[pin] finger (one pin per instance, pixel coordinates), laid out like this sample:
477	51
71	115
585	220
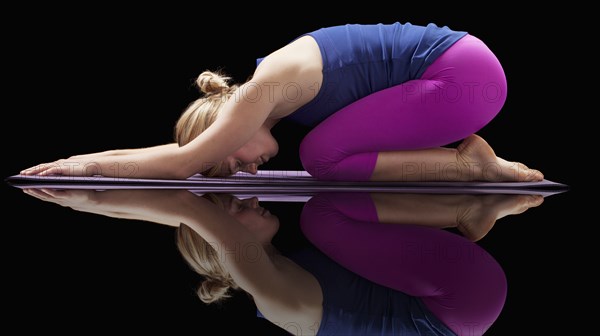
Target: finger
47	192
52	171
55	193
32	170
39	169
37	194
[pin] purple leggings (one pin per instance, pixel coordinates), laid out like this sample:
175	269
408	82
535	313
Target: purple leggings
458	281
458	94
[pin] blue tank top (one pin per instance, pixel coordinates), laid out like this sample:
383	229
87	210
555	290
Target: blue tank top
362	59
353	305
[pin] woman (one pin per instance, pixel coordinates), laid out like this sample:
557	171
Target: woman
396	279
381	99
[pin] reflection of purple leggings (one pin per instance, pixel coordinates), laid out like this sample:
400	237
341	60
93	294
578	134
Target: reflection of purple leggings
458	281
458	94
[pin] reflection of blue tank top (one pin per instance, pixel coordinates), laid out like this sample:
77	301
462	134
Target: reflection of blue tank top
361	59
353	305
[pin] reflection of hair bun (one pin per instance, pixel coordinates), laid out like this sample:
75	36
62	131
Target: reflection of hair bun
211	83
213	290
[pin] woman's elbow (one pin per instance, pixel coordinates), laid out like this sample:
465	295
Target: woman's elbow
181	175
177	167
182	171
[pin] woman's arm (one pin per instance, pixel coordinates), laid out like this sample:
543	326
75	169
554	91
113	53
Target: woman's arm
238	121
152	162
126	151
240	118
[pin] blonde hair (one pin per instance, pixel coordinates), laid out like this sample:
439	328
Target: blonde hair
200	114
204	260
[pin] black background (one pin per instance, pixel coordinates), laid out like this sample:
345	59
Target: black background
83	80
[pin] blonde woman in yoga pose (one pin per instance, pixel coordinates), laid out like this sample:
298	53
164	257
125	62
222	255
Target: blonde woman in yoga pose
382	100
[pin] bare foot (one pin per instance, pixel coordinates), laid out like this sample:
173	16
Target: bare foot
480	214
476	155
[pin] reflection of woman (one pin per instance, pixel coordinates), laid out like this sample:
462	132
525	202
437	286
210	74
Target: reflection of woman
437	274
228	241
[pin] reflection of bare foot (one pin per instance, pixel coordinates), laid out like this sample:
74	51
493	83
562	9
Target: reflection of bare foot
483	164
479	214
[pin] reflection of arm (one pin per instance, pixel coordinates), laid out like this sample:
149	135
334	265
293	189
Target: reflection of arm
148	205
173	207
157	206
242	254
284	292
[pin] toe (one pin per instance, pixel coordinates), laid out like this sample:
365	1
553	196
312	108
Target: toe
526	174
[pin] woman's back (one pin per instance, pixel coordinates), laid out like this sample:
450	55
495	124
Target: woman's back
358	60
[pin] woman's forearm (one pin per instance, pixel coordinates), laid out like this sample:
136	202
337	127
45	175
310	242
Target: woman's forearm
156	162
125	151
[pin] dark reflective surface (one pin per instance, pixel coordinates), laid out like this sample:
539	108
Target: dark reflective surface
354	262
82	83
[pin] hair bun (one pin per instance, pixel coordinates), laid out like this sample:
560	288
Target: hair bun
211	83
213	290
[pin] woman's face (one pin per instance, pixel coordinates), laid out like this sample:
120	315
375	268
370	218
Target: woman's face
258	150
254	217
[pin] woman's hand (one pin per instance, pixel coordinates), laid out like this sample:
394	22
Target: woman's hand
159	206
161	161
84	166
77	199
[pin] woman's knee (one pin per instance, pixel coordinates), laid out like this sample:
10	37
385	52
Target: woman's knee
325	164
314	159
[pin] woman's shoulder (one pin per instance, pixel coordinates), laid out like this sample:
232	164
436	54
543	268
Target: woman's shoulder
292	74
